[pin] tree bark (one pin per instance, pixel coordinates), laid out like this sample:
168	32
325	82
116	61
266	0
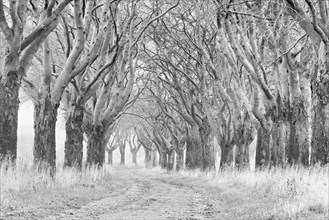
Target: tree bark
320	140
154	158
134	158
263	155
96	146
283	130
147	158
225	148
171	160
9	103
74	138
110	157
179	158
193	153
122	149
163	160
45	117
300	137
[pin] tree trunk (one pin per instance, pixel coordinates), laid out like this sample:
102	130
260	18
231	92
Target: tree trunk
9	103
147	158
96	146
208	149
179	158
171	160
225	148
299	135
154	158
163	160
240	157
134	159
263	155
110	157
208	155
122	149
282	138
320	86
320	140
45	117
74	138
300	118
193	153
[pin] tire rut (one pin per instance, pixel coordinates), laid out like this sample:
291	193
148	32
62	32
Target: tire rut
147	197
201	206
107	205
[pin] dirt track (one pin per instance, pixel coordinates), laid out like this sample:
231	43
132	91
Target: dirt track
146	195
153	195
138	193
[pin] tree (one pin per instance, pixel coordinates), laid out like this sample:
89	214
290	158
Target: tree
314	21
47	94
115	90
96	64
20	50
112	145
134	146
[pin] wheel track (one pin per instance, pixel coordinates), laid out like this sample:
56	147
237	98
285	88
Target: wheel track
95	209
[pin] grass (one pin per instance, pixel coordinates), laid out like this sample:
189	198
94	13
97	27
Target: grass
298	190
24	178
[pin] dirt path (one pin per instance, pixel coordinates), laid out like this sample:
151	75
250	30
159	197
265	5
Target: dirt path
147	195
137	193
152	195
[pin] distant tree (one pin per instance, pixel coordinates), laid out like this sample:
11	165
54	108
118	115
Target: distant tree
112	145
134	146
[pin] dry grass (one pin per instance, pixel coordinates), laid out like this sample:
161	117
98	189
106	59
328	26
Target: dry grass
15	180
298	190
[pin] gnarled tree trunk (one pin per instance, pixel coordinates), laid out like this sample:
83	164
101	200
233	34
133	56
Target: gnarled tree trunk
193	153
9	103
96	146
320	140
45	117
225	149
300	120
208	149
263	149
163	160
74	138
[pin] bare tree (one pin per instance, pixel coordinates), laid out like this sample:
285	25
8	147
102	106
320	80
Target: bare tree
21	45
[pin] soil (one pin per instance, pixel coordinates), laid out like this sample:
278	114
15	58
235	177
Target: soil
138	193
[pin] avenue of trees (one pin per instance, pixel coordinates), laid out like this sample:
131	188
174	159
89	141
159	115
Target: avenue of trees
192	82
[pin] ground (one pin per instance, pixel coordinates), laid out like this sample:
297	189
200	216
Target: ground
138	193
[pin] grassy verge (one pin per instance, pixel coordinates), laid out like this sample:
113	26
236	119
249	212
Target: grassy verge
297	190
23	180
